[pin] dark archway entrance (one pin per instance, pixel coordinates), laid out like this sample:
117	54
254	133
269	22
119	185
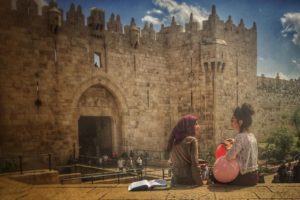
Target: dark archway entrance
95	135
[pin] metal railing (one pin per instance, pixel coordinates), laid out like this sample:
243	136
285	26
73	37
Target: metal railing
103	176
18	164
136	173
150	154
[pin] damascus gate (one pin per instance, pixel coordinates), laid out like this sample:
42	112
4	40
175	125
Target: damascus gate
107	86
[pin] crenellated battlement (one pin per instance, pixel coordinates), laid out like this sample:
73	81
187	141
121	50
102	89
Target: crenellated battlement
168	36
277	85
114	24
192	26
57	71
218	29
75	18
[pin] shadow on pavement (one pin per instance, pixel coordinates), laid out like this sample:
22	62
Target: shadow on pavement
225	188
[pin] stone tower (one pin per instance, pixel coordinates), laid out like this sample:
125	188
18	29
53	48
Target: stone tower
114	24
96	22
54	18
73	89
75	17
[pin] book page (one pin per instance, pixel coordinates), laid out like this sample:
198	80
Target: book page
139	185
158	183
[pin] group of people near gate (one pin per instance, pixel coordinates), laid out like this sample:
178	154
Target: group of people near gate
287	173
129	163
236	158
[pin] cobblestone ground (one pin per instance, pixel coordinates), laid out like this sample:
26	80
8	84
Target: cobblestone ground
11	190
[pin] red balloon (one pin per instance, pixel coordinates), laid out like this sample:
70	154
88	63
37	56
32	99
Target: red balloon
225	170
220	151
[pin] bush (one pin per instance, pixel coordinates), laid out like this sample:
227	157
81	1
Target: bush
282	145
124	155
262	151
8	166
209	155
296	122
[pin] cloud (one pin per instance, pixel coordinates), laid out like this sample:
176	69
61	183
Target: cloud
296	63
283	76
41	4
150	19
181	11
291	24
261	58
154	11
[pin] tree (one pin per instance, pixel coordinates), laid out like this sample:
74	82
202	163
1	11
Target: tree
281	145
296	121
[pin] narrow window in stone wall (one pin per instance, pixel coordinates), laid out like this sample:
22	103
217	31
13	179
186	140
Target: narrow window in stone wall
97	60
206	67
192	105
223	66
148	94
237	68
134	63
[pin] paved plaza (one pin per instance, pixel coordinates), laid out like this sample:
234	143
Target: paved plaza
11	190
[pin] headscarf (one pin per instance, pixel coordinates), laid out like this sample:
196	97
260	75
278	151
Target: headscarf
184	127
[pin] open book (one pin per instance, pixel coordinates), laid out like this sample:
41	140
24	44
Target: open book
146	185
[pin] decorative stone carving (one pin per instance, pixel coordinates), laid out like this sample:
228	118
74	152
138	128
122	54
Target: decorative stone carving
54	18
134	34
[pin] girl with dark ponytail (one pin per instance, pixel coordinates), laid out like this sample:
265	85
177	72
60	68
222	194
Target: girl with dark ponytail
244	115
244	148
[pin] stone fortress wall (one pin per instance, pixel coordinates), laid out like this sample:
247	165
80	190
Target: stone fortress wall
144	80
277	101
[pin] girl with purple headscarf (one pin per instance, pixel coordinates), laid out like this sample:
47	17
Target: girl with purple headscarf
183	148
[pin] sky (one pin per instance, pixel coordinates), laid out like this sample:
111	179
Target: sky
278	23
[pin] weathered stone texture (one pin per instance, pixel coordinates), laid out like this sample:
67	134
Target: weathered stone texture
276	102
144	85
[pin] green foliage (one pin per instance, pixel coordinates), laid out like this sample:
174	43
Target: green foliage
284	117
296	122
209	155
262	151
281	145
124	155
8	166
263	169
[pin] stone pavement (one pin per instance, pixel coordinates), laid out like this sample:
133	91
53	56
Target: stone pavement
11	190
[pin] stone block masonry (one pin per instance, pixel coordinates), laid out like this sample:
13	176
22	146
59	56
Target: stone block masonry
129	85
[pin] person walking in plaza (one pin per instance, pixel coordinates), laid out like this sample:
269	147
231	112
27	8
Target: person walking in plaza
283	172
296	172
139	162
244	148
121	163
129	163
183	149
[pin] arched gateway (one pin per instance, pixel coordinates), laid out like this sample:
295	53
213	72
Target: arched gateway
100	112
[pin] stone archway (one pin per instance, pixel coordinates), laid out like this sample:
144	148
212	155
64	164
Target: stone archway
98	123
96	135
100	100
